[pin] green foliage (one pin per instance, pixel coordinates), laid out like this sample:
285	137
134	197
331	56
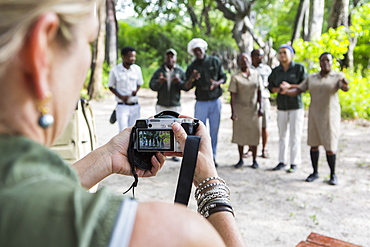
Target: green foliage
360	29
334	41
152	40
275	20
355	103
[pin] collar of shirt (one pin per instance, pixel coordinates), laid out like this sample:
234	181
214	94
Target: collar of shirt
291	65
124	68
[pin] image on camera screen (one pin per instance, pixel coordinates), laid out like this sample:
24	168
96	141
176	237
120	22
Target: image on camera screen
161	140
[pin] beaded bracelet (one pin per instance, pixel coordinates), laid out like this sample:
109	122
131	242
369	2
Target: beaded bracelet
209	198
224	189
199	190
209	179
217	186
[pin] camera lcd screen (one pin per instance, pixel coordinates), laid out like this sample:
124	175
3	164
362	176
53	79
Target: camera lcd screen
155	140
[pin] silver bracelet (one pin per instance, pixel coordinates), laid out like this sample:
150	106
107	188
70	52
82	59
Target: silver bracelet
209	198
199	190
202	209
209	179
219	193
217	186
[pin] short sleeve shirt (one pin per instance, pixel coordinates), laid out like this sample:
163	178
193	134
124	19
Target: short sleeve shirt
264	71
43	204
246	88
125	81
294	75
209	68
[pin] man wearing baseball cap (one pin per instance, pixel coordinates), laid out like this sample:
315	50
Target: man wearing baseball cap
168	80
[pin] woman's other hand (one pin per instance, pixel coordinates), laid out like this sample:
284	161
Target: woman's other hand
205	167
118	146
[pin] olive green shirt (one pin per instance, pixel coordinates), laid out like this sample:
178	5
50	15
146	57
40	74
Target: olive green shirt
209	67
43	204
294	75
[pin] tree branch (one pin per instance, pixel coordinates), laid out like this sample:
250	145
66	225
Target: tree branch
228	14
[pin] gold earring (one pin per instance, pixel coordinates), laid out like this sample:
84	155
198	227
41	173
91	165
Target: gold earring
46	119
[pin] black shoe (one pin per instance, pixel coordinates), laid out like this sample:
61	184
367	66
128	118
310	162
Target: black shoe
312	177
333	180
239	164
279	167
216	165
176	159
292	169
264	154
255	165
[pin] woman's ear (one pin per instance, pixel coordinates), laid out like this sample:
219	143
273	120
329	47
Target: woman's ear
37	53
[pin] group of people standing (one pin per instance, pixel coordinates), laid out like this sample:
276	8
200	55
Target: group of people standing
250	90
205	73
45	54
289	79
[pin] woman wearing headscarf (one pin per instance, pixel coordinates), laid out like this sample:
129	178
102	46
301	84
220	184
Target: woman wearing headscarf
45	54
324	113
290	112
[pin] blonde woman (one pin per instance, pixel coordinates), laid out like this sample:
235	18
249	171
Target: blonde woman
44	57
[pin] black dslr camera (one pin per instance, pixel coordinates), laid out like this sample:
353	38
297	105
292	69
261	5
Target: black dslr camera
155	135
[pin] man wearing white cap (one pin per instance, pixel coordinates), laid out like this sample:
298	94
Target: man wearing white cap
206	74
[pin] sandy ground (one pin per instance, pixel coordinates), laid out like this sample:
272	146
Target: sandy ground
273	208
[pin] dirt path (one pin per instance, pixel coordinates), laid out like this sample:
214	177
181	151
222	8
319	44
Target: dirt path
272	208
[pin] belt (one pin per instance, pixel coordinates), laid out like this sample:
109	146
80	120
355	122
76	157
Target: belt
123	103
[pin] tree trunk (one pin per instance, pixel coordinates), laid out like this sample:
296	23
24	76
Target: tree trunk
316	19
205	14
97	64
339	14
305	24
303	5
243	38
111	39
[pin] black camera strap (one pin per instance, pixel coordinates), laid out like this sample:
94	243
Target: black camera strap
187	169
130	156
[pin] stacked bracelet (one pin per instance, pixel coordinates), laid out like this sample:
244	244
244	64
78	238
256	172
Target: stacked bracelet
213	197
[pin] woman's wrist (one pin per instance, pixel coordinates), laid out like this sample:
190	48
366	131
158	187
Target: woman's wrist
213	196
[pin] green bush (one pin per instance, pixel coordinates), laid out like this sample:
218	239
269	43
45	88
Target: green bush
355	103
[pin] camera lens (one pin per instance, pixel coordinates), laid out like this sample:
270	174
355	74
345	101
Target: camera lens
150	125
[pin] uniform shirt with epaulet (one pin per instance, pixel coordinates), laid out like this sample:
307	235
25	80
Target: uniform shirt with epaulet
209	68
294	75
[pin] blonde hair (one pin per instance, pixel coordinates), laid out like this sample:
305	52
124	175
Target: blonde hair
17	17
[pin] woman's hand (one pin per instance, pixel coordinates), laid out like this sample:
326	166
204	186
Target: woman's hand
234	117
344	84
205	166
117	147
